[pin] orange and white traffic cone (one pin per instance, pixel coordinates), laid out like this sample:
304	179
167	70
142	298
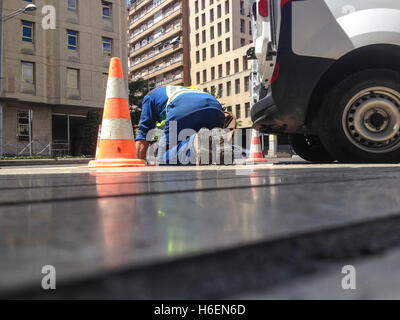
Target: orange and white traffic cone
256	155
117	145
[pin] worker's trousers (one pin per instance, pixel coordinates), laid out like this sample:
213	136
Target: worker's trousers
176	147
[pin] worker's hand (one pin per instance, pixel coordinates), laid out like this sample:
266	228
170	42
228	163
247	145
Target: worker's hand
141	149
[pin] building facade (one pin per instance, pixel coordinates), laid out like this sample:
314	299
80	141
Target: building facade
220	35
158	42
53	77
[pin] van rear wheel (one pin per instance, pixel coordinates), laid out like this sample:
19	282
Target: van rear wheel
310	148
360	118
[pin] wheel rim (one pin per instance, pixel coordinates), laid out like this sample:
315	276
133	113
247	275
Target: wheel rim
371	120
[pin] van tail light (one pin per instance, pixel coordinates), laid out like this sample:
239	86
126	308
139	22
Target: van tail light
263	8
275	75
284	2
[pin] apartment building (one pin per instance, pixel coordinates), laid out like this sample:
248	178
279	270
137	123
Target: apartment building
220	36
53	77
158	42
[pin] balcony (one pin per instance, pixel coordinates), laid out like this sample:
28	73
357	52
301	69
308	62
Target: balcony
138	21
161	54
145	33
177	79
165	69
139	4
161	70
173	32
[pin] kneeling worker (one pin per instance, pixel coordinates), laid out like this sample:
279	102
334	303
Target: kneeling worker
189	109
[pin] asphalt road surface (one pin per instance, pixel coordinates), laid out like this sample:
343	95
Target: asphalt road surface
281	230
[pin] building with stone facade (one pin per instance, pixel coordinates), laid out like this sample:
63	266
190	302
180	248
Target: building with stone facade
53	77
220	35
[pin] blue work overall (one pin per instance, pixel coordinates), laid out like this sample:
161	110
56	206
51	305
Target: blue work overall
189	108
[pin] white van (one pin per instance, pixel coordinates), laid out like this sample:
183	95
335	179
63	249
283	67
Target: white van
327	72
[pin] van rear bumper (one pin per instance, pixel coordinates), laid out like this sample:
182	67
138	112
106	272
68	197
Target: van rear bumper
262	113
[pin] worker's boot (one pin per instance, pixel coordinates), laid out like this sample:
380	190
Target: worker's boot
203	147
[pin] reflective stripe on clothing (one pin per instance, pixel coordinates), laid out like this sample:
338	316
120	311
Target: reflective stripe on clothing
174	92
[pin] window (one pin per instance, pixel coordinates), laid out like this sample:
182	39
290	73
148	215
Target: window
245	63
242	26
212	50
197	56
226	6
220	90
212	32
204	75
72	39
204	36
246	84
107	47
204	54
228	88
227	25
228	44
228	68
229	109
220	70
72	5
212	90
203	19
237	86
72	78
219	47
238	116
236	65
212	15
198	77
247	109
106	9
212	73
242	8
197	39
219	11
23	122
27	31
28	72
219	29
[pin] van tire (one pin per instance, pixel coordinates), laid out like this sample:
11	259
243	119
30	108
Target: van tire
346	118
310	148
